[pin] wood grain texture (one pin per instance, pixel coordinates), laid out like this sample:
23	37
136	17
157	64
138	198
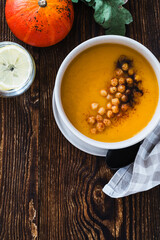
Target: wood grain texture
49	189
19	140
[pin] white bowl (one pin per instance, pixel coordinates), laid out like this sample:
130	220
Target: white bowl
57	90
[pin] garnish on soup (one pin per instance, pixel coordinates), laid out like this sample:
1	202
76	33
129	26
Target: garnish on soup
121	96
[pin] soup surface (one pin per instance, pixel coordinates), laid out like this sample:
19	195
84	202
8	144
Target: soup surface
91	71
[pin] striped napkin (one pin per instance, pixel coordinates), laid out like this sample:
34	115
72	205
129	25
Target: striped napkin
141	175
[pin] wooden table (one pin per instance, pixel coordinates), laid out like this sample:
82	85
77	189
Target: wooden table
49	189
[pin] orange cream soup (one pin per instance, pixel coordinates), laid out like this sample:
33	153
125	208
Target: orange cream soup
92	71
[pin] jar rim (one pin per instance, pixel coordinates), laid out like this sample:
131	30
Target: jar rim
24	87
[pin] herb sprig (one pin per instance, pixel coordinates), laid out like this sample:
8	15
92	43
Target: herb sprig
110	14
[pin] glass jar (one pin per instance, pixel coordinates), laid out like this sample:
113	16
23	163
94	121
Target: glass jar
27	83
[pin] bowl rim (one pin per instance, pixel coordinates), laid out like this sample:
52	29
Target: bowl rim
114	39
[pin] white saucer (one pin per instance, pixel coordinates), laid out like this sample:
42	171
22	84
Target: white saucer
83	146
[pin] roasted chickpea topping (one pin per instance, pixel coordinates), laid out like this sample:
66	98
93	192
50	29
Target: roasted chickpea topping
124	107
129	81
137	77
128	92
103	93
122	80
121	88
118	95
113	89
115	109
109	97
124	98
125	90
131	71
101	111
100	127
125	66
91	120
94	106
107	122
109	105
99	118
93	130
114	82
115	101
110	114
118	72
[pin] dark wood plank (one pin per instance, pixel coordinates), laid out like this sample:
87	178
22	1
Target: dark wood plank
19	132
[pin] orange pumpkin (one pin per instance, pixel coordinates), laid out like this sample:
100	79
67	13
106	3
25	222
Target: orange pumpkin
40	23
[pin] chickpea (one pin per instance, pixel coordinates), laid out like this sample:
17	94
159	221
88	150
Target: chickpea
129	81
118	72
114	82
137	78
118	95
131	71
115	101
100	127
115	109
121	88
125	66
137	94
103	93
140	86
113	89
101	111
99	118
109	97
128	92
124	107
110	114
94	106
124	98
107	122
93	130
91	120
122	80
109	105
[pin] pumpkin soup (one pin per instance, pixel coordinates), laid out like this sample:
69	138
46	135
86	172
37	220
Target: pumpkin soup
109	92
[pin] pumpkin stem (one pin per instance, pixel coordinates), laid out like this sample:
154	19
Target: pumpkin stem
42	3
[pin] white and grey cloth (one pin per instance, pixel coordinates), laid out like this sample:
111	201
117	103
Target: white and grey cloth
141	175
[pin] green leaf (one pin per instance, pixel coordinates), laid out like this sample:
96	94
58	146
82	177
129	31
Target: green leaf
110	14
75	1
88	1
117	2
